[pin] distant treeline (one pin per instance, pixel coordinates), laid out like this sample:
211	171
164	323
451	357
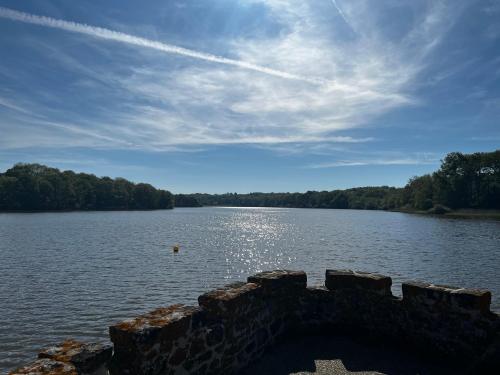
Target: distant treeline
463	181
35	187
371	198
183	200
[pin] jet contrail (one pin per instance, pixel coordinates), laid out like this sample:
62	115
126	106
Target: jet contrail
341	13
117	36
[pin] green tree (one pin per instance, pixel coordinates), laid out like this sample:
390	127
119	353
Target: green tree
37	187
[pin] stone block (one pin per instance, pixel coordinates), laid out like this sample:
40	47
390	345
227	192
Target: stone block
215	335
170	322
354	280
86	358
280	280
231	301
46	366
143	344
446	297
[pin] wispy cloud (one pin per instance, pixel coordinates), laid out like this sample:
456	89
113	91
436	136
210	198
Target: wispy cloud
334	2
9	105
116	36
320	86
354	163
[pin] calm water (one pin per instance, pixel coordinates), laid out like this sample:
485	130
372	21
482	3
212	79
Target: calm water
73	274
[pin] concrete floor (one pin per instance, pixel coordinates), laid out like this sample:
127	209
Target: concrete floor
340	355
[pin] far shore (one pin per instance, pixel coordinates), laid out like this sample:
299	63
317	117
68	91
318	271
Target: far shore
83	210
465	213
468	213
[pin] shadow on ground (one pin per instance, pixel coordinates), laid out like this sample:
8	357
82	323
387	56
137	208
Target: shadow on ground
343	355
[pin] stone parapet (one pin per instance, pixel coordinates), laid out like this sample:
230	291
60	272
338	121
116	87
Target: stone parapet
280	280
234	325
232	301
153	341
352	280
446	297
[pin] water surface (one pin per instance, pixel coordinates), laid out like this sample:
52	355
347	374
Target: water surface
73	274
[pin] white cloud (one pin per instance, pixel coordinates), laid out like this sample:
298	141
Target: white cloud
116	36
320	83
353	163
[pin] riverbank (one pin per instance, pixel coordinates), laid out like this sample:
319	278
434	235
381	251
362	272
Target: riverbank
83	210
457	214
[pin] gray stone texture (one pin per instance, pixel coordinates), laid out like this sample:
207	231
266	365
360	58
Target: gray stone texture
233	326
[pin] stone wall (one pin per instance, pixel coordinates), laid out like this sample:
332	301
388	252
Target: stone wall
70	358
234	325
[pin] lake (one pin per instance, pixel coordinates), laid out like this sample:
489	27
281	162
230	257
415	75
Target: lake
73	274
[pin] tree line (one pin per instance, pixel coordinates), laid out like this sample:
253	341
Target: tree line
371	198
462	181
183	200
35	187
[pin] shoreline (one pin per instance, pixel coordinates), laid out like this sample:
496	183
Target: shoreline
467	213
92	210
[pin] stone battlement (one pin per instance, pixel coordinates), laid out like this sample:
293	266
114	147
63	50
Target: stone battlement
234	325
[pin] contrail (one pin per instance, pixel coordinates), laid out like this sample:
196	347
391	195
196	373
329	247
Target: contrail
341	13
117	36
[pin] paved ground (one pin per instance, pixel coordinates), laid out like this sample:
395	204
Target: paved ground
340	355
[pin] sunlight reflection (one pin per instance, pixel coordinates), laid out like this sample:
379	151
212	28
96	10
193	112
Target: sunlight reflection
255	237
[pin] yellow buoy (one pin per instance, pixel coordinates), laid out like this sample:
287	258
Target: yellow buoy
176	248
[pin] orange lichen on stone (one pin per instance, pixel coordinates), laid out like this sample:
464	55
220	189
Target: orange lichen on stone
230	292
85	357
64	352
160	317
46	367
231	300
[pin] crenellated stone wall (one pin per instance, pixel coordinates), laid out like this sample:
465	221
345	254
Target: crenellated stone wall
234	325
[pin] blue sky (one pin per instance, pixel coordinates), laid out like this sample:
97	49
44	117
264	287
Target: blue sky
248	95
